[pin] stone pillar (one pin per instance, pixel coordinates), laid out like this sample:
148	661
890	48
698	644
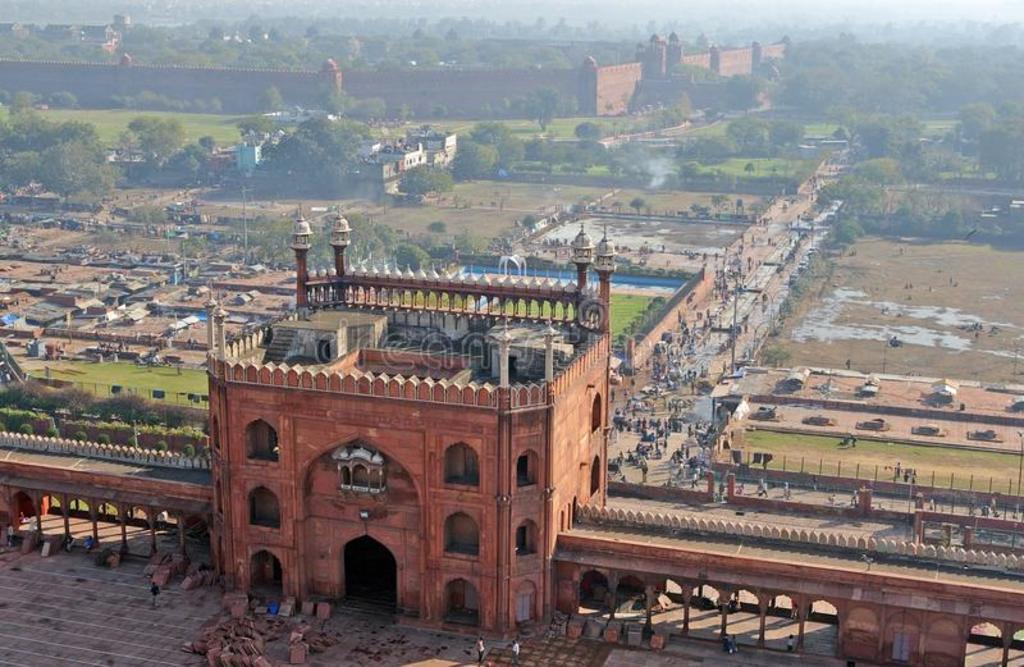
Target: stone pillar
181	534
301	235
918	526
211	336
38	498
710	477
730	485
723	603
649	602
504	344
92	517
1007	632
864	501
687	600
549	353
968	537
762	608
218	324
801	614
123	511
65	507
613	595
151	517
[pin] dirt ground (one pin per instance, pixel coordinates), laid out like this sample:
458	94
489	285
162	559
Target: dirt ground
954	307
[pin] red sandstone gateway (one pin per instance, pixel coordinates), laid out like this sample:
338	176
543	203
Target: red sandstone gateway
412	440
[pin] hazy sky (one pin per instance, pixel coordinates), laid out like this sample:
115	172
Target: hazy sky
622	16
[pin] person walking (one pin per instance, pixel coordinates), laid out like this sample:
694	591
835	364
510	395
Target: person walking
515	651
154	590
790	643
480	650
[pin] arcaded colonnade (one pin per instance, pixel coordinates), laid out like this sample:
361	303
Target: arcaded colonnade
913	615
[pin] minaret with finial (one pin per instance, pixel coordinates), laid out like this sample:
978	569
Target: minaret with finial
301	236
605	267
582	257
340	239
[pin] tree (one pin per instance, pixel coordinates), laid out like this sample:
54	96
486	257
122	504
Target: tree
411	256
542	105
749	134
255	125
208	143
22	101
588	131
75	168
749	168
743	92
437	227
474	160
319	158
157	138
63	100
637	203
775	356
271	100
975	119
424	180
719	201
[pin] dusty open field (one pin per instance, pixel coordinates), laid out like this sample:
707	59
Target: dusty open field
931	296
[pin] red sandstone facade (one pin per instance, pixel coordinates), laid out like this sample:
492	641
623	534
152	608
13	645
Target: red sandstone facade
603	91
469	482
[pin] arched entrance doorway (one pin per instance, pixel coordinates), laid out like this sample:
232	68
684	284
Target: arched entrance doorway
266	573
371	573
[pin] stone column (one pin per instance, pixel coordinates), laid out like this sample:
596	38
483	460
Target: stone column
802	616
181	534
549	353
723	603
687	600
38	498
123	511
92	517
613	595
762	608
649	602
64	509
151	517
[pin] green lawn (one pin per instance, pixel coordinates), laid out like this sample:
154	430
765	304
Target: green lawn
821	455
626	308
763	167
559	128
110	123
99	377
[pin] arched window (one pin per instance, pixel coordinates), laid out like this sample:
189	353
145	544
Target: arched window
261	441
595	413
460	465
346	476
461	535
595	475
526	469
360	476
264	509
214	435
526	538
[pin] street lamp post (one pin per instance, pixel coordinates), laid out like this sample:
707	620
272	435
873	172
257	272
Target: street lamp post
1020	463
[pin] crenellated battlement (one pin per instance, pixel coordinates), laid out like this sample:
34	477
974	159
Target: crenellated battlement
357	383
96	450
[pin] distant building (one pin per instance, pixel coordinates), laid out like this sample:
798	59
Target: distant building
382	164
247	158
440	146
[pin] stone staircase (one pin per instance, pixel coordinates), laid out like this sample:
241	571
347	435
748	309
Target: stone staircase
280	345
